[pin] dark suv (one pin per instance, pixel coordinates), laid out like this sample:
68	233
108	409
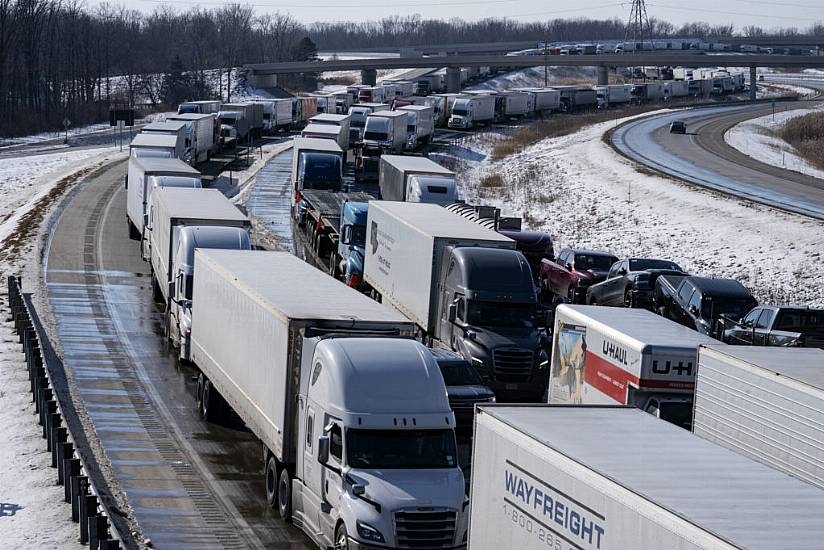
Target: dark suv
464	386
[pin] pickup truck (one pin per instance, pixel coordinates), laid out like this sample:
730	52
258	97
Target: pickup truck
573	272
697	302
630	282
778	326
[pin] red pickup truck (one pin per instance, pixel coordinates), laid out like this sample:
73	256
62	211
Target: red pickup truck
573	272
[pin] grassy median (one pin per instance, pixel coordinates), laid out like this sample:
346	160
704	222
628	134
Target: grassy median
806	134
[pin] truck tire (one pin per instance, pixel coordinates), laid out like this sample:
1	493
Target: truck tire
134	234
272	478
157	296
629	298
334	259
199	390
341	537
285	494
209	402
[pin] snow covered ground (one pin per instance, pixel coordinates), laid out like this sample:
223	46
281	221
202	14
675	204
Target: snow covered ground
755	138
582	193
534	76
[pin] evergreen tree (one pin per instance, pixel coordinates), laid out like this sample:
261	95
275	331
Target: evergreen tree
177	85
305	50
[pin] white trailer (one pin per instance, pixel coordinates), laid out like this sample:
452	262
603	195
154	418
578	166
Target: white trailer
606	355
156	145
467	111
203	107
386	130
613	94
143	177
277	114
358	436
405	245
676	88
511	104
327	131
416	179
545	99
613	478
171	208
343	121
423	124
206	133
765	403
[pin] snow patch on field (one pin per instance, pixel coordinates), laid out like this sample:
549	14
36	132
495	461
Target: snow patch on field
582	193
756	139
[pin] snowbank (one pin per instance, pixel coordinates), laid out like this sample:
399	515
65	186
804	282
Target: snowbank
582	193
755	138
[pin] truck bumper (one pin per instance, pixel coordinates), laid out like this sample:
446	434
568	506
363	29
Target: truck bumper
528	392
355	545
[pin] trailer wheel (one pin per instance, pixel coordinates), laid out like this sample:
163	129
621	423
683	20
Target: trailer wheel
284	495
199	390
333	265
208	402
272	480
157	296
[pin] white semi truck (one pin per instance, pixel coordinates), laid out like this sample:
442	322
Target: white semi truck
144	176
613	478
421	123
206	134
765	403
468	111
610	355
613	94
182	129
156	145
359	442
202	107
416	179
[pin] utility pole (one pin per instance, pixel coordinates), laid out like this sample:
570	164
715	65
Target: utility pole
546	63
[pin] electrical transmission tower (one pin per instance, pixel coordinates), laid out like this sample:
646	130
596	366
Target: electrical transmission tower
638	27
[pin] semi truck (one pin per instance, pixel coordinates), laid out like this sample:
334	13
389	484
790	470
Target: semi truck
613	94
327	131
252	113
145	175
574	98
468	111
203	107
358	115
676	88
342	121
421	124
415	179
235	123
613	478
277	114
511	105
171	209
206	134
372	94
358	438
607	355
544	100
385	133
156	145
316	164
764	403
464	286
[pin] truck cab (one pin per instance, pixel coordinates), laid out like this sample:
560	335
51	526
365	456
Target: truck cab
232	126
376	464
462	114
316	164
182	274
352	244
489	315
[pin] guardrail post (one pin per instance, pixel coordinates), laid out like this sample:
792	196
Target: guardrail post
61	435
88	508
53	422
64	452
79	489
98	531
71	467
49	408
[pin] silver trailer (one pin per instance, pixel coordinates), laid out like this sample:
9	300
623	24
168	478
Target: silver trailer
327	131
614	478
143	177
415	179
386	130
545	100
341	121
157	145
205	132
277	114
203	107
765	403
424	125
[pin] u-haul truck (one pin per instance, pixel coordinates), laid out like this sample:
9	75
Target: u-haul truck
605	355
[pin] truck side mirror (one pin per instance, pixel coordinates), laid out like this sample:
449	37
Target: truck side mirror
452	312
146	221
358	489
346	235
323	449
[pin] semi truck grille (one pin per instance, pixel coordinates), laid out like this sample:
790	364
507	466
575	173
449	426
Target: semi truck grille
512	365
424	528
467	404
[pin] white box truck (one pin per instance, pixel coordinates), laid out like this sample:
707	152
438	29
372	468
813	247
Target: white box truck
613	94
156	145
468	111
277	114
327	131
416	179
611	355
385	131
145	175
765	403
169	210
613	478
465	286
206	133
183	130
203	107
421	123
358	436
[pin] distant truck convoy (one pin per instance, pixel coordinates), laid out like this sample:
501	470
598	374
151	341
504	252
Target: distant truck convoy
145	175
415	179
613	478
465	286
603	355
358	437
764	403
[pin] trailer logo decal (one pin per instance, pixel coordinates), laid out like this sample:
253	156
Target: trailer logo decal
615	351
566	518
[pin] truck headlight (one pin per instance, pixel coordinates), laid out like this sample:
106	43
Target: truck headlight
477	362
367	532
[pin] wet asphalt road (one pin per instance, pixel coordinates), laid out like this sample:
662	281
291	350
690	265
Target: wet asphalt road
703	157
192	484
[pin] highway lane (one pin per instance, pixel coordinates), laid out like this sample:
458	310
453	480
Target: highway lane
702	157
191	484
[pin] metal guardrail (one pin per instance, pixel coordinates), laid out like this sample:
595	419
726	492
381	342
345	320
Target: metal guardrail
87	509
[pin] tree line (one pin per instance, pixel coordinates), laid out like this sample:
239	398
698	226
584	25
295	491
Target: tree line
60	59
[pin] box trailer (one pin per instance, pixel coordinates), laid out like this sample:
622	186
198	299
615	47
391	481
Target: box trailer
327	131
157	145
613	94
341	121
415	179
317	371
764	403
421	124
372	94
606	355
469	110
385	131
676	88
171	208
613	478
203	107
236	122
277	114
206	133
574	98
147	174
545	100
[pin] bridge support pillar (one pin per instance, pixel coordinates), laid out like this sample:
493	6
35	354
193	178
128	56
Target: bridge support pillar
753	82
603	75
369	77
453	80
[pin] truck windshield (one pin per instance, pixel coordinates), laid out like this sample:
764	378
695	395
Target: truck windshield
188	109
459	373
643	265
375	136
726	307
400	449
460	111
320	170
500	314
587	261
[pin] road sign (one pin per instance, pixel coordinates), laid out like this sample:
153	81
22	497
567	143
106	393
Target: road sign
67	122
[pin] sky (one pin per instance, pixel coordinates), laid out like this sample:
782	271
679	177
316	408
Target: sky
741	13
